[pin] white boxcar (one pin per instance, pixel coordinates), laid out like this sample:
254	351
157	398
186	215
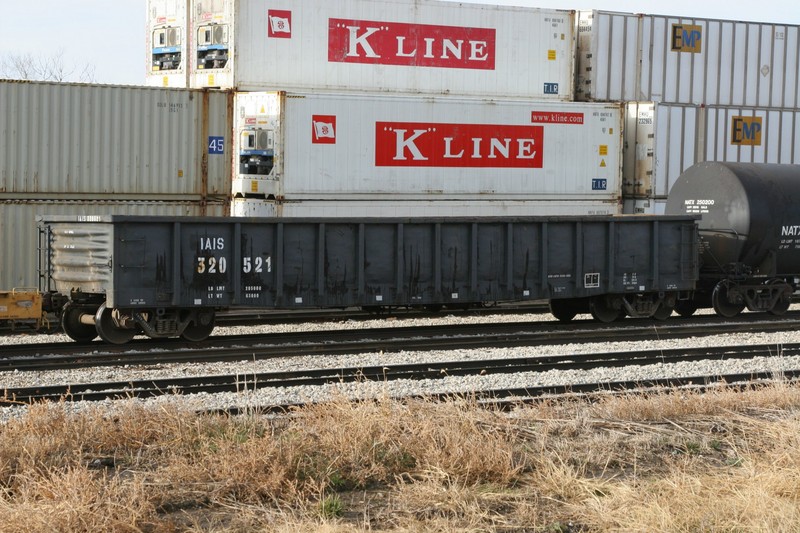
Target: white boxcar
663	140
252	207
416	46
167	43
18	231
77	141
315	146
633	57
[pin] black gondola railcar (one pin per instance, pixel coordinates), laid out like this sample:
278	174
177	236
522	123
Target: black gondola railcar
168	276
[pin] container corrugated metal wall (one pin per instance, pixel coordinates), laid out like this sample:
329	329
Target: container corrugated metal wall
629	57
19	234
378	147
664	140
384	46
167	55
77	141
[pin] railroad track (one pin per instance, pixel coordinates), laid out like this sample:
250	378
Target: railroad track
59	356
239	382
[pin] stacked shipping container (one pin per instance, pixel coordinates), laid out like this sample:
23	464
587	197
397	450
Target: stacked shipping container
407	61
503	53
305	154
634	57
395	46
696	90
167	43
75	149
663	140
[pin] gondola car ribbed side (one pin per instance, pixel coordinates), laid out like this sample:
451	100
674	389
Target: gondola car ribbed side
167	276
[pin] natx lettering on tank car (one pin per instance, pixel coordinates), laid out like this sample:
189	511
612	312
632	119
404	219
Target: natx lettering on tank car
168	276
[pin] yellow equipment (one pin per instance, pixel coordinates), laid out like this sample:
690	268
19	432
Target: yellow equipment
21	304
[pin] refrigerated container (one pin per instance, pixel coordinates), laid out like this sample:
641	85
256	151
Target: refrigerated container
664	140
637	57
79	141
19	235
167	56
294	147
406	46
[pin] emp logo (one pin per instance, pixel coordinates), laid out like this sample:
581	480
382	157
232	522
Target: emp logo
687	38
746	131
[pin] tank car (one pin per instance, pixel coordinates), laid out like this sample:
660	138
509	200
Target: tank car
749	234
168	276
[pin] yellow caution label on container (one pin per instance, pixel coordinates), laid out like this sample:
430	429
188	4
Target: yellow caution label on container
602	163
165	81
262	110
551	55
253	186
180	172
603	149
210	79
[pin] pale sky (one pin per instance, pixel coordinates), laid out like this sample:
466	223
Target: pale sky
109	35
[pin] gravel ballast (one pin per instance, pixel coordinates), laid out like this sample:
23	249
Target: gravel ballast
769	362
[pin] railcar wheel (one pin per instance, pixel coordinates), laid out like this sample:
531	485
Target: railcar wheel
663	312
72	325
685	308
721	302
601	309
782	305
108	329
199	329
564	310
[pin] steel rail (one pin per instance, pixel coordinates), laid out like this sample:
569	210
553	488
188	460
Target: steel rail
337	342
241	382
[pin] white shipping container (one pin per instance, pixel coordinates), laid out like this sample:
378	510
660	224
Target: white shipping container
634	57
414	46
294	147
167	43
251	207
76	141
663	140
20	237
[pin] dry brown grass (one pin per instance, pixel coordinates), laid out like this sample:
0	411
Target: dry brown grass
720	461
